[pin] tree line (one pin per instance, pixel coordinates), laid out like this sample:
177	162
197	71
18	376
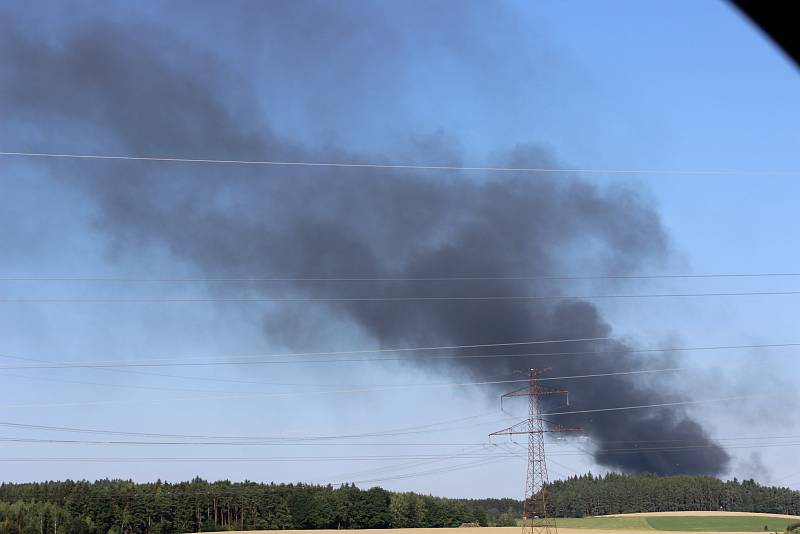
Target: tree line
125	507
586	495
614	493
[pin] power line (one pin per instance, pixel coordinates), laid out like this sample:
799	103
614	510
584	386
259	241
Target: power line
164	375
421	428
440	470
194	390
374	471
564	466
660	405
175	362
183	377
714	438
672	449
616	373
277	163
247	443
110	385
479	278
415	349
385	457
334	392
689	447
447	357
693	444
318	458
189	300
320	353
675	449
508	444
331	439
232	458
384	387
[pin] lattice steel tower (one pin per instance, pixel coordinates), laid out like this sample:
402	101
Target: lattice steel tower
537	515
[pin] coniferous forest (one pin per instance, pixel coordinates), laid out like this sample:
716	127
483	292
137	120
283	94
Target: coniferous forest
587	495
121	507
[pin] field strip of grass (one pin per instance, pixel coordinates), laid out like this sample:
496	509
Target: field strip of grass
687	523
711	523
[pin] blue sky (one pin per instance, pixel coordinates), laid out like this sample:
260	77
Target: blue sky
612	85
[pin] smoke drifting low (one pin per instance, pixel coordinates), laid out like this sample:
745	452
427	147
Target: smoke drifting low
110	88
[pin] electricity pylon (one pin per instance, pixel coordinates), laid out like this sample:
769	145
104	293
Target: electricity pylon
536	508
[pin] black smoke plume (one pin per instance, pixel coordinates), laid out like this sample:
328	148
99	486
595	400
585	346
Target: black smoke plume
102	87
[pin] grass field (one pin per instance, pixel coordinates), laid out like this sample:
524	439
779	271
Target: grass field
605	523
719	524
680	523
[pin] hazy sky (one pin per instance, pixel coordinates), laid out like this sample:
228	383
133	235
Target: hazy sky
659	86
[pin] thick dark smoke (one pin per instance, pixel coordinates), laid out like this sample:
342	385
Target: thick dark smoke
107	88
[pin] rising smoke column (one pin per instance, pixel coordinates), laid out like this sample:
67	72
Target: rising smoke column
116	84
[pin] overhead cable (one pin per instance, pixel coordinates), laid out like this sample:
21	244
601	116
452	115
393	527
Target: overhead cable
246	360
366	165
253	300
382	278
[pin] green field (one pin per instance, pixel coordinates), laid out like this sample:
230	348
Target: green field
680	523
720	524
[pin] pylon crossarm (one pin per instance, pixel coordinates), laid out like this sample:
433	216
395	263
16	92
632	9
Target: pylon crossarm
521	392
514	429
526	392
509	431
